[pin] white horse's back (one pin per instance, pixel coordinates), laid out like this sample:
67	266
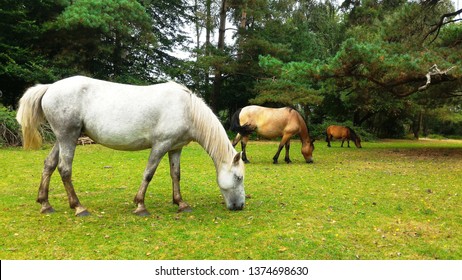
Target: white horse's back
119	116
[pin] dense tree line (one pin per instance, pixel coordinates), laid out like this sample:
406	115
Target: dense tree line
388	66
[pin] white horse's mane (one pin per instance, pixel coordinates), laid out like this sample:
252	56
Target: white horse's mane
209	131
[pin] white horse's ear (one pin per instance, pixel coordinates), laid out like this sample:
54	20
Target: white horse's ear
237	158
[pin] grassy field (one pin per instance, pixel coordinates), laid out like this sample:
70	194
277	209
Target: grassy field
389	200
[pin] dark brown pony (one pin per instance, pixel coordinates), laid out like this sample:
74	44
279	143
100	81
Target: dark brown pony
271	123
344	133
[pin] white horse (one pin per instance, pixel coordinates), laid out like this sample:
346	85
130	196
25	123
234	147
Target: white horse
163	117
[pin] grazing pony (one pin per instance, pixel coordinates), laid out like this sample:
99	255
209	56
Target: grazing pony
344	133
163	117
271	123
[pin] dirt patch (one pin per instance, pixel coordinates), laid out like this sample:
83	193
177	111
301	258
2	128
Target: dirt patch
430	153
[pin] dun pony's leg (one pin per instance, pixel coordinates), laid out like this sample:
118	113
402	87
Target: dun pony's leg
287	158
244	141
283	142
153	162
49	167
174	158
66	156
237	139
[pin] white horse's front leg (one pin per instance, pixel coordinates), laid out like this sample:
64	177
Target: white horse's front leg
174	158
153	162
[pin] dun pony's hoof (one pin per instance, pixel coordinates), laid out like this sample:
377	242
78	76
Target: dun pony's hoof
141	213
83	213
47	210
80	211
186	209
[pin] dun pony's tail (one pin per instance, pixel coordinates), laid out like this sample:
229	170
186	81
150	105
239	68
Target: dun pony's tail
237	127
235	123
30	116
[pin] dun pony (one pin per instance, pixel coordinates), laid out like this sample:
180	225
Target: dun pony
271	123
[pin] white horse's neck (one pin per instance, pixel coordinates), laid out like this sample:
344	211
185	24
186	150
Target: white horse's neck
210	134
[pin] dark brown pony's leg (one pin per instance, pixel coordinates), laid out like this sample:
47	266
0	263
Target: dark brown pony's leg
328	139
347	137
174	158
50	164
244	141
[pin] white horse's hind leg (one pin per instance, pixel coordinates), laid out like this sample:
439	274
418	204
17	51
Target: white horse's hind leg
153	162
49	167
66	156
174	158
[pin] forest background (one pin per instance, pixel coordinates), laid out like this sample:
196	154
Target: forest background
390	68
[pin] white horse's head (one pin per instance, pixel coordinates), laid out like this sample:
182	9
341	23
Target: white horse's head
231	183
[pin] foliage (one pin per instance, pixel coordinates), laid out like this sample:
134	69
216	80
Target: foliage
375	76
20	64
370	203
9	128
104	37
126	41
359	61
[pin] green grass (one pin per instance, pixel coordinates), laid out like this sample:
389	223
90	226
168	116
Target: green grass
389	200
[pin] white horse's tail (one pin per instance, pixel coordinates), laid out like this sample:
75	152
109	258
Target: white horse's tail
30	116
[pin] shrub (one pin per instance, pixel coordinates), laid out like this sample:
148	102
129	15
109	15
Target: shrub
9	128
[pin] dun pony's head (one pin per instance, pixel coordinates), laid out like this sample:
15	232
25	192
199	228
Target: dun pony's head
307	150
231	183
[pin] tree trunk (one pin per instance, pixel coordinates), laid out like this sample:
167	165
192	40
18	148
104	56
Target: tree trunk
208	26
242	25
197	24
117	56
218	79
358	120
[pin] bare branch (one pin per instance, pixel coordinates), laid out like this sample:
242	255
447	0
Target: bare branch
437	27
435	73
